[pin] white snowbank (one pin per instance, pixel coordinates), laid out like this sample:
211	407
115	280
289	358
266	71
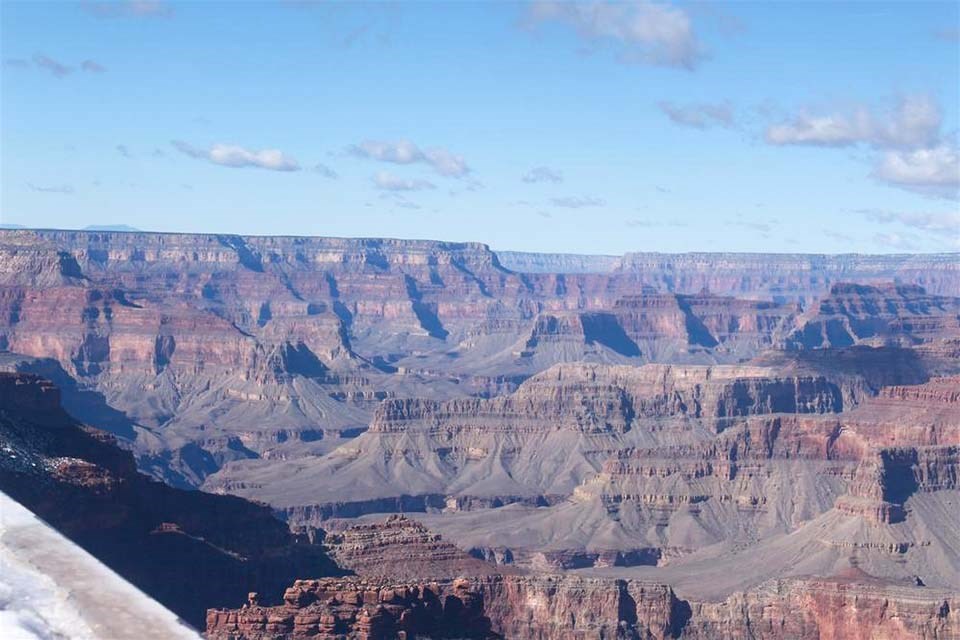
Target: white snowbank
51	589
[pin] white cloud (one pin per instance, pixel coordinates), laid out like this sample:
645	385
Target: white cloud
935	170
914	122
441	160
646	31
543	174
915	156
577	202
234	156
446	163
389	182
698	116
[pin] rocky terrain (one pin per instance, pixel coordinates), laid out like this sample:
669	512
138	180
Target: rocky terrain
519	604
205	351
185	548
650	446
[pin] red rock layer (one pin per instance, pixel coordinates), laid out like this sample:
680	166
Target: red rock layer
828	609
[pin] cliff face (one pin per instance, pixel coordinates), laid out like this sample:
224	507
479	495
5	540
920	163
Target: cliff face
890	314
570	607
834	609
534	446
408	587
357	608
160	539
710	441
672	491
789	276
207	351
401	548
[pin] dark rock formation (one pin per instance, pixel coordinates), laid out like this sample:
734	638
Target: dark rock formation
189	550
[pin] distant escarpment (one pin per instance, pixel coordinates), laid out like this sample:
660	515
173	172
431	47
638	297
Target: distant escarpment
208	352
645	446
743	274
189	550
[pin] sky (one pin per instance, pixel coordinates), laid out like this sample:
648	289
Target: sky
593	127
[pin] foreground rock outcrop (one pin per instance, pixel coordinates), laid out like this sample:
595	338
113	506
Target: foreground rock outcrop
188	549
554	607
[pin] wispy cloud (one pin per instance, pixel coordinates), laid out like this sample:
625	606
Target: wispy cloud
62	189
325	171
543	174
92	66
471	185
643	31
441	160
837	236
388	182
57	69
948	35
943	225
698	116
577	202
128	9
898	241
914	152
914	122
753	225
647	223
227	155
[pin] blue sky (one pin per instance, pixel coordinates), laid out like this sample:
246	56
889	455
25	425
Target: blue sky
592	127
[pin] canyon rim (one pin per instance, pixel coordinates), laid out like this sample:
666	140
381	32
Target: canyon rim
467	320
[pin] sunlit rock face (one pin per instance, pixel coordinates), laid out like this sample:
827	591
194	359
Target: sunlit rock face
211	351
423	600
649	445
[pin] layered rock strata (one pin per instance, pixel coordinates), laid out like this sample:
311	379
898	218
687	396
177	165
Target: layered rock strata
159	538
208	351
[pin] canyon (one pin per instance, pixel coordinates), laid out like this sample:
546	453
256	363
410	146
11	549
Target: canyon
643	446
